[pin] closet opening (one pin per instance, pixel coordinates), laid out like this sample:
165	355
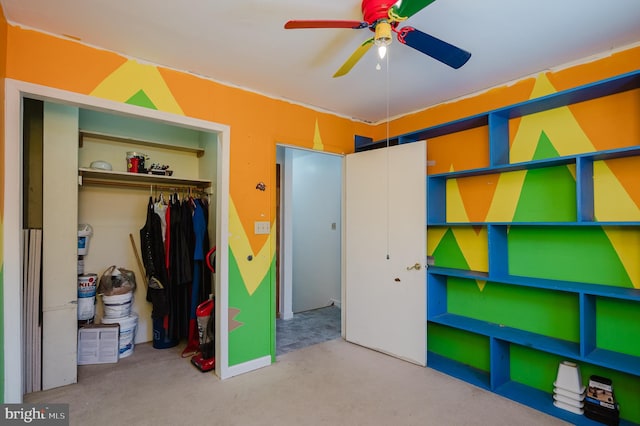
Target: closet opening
56	192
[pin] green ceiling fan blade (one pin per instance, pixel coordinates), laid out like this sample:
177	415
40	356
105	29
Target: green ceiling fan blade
406	8
354	58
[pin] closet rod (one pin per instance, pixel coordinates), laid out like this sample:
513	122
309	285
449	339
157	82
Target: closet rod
153	187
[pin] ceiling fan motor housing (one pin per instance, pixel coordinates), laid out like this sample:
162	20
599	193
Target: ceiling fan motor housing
375	10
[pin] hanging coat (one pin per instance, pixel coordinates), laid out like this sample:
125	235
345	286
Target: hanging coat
180	271
199	231
206	288
152	252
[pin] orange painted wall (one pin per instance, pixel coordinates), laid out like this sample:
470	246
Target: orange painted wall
498	97
257	122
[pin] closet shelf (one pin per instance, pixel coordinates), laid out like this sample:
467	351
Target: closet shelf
130	141
103	177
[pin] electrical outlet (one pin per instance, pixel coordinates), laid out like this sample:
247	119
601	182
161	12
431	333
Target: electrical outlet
261	228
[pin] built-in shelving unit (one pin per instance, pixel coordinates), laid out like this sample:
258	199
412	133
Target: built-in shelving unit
82	134
584	307
90	176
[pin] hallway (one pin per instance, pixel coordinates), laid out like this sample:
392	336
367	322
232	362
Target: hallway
307	328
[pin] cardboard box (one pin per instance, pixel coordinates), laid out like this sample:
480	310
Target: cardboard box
98	344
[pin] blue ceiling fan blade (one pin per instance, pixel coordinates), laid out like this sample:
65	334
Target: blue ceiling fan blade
440	50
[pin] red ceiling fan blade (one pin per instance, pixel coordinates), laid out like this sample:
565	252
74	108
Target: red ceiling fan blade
429	45
301	24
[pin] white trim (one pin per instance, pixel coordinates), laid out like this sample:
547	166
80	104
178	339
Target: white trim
286	227
286	246
12	246
301	148
343	247
246	367
14	92
222	257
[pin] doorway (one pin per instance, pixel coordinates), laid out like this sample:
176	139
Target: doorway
308	248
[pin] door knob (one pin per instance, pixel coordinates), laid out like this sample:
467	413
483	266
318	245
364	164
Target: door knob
417	267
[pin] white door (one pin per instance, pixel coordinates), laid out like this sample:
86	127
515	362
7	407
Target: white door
385	250
59	246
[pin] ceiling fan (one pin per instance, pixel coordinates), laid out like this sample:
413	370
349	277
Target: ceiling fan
383	17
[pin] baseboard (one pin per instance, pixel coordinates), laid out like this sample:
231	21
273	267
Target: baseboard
336	302
246	367
287	315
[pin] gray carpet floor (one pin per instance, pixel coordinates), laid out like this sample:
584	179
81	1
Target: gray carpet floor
333	383
307	328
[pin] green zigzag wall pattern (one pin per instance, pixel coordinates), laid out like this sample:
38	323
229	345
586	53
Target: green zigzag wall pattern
573	254
541	201
515	306
617	326
576	254
448	253
462	346
250	341
140	98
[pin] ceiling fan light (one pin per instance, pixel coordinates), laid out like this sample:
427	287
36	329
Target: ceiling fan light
383	33
382	51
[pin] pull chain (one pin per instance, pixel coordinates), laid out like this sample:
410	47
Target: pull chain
387	154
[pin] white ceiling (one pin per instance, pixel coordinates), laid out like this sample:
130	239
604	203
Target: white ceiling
243	43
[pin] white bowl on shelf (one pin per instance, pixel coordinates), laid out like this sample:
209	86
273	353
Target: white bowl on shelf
569	401
101	165
569	394
568	407
569	377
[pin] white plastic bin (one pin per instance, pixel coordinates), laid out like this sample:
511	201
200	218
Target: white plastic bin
84	235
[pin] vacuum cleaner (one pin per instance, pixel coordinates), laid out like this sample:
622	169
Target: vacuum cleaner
205	359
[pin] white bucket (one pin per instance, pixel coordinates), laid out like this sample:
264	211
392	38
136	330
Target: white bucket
128	327
87	296
118	305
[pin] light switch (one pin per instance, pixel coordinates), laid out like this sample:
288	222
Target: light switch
261	228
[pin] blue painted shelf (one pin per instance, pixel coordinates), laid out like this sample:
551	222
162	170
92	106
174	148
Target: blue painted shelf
458	370
615	361
549	224
526	395
511	335
557	285
543	401
501	338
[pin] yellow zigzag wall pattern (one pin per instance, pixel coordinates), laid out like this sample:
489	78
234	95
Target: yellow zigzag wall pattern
132	77
562	129
252	271
472	243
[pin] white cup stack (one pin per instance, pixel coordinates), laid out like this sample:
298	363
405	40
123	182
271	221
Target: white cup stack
568	392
